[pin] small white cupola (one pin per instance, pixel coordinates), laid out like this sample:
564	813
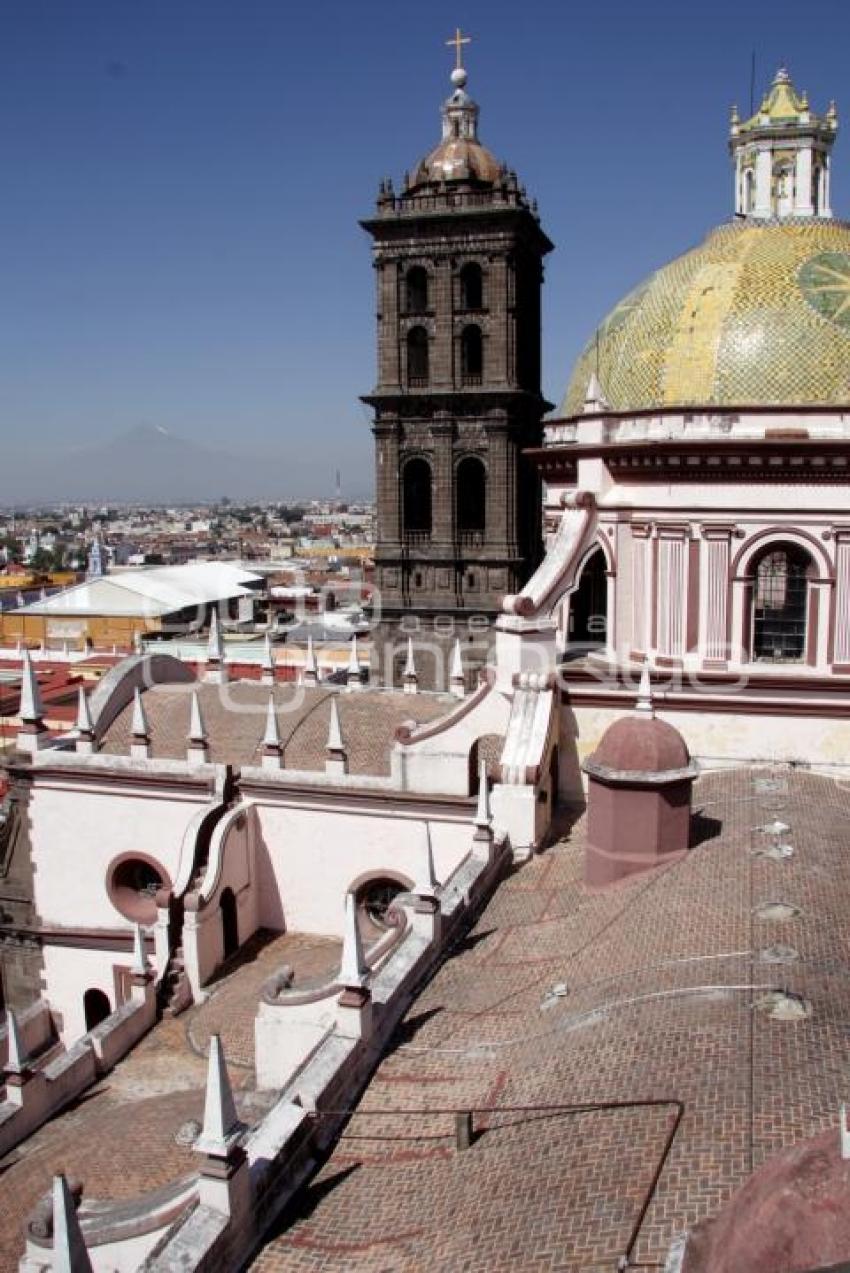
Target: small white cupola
782	155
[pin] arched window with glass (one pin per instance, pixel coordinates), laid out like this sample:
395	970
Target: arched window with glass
780	604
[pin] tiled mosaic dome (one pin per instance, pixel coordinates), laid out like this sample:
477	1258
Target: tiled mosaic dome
756	315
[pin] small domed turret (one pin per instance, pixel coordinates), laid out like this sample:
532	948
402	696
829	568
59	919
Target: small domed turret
460	155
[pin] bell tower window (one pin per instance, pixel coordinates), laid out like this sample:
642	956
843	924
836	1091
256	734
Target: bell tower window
471	496
417	357
416	497
416	290
471	355
471	287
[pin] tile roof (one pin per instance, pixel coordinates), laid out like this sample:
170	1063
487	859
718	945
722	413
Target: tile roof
235	717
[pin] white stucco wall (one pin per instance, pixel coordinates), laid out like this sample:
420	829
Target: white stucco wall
308	858
69	973
78	831
439	763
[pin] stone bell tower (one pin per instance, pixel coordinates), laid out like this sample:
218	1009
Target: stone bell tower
458	259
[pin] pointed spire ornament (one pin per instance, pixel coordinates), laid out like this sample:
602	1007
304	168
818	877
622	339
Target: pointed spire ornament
17	1058
32	733
336	756
139	966
140	738
69	1248
310	675
844	1131
426	878
197	749
483	838
457	683
594	398
354	679
643	704
271	745
353	972
197	731
31	709
409	678
221	1128
216	670
139	724
85	726
268	662
483	812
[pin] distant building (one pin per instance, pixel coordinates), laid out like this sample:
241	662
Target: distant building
116	609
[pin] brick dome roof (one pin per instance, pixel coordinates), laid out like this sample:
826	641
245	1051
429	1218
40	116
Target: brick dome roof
637	744
791	1214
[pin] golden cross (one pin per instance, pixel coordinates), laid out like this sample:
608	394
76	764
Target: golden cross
458	40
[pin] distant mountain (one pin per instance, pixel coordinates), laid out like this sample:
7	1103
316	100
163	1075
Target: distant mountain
148	464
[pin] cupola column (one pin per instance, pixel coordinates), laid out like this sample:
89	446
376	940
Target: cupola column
764	178
803	183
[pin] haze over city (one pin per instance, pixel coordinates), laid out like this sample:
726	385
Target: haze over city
179	239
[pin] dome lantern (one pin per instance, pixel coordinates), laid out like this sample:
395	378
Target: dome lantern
460	155
782	156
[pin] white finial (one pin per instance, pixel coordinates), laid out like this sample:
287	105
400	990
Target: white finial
139	966
215	646
409	678
268	662
594	398
84	726
426	878
17	1059
69	1248
139	724
483	813
271	738
32	709
221	1124
355	680
311	667
643	705
353	972
197	729
335	741
457	684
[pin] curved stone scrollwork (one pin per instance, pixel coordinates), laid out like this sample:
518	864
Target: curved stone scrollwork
557	573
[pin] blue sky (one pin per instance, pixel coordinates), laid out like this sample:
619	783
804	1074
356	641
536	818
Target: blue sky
182	182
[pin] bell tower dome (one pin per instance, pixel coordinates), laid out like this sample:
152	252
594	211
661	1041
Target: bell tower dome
458	257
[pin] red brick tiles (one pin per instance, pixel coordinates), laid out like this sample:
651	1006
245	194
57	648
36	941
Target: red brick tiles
660	976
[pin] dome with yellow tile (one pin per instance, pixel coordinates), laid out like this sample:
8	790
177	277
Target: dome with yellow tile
757	315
